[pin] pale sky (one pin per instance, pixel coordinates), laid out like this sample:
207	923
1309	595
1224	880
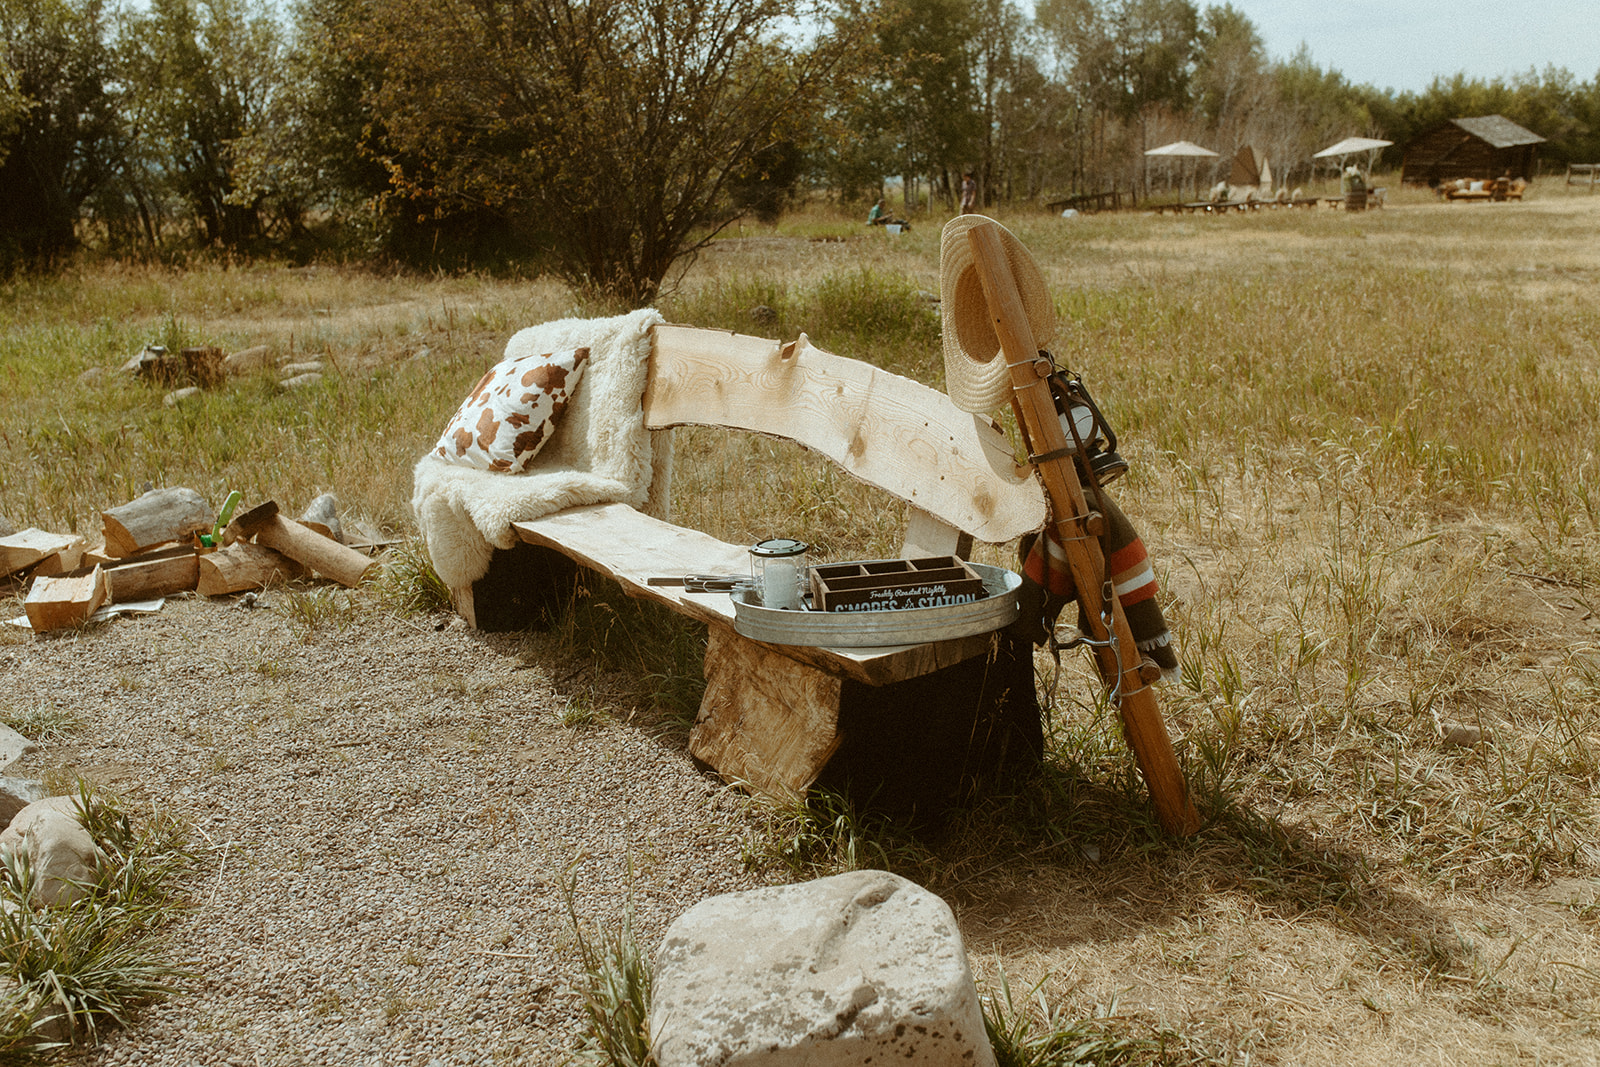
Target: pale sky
1402	44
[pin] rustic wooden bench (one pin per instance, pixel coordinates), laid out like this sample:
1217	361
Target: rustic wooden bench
914	724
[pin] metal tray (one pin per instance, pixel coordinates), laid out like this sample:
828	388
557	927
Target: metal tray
872	629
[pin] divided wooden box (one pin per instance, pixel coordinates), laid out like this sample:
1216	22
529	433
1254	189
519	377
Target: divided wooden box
894	584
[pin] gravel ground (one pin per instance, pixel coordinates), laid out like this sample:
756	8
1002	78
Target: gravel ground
387	810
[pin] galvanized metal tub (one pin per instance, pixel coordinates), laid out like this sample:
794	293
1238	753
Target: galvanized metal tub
872	629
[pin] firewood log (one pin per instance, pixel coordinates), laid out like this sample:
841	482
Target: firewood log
173	514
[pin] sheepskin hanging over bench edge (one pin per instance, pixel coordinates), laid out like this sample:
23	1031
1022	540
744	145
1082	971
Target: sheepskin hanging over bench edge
599	452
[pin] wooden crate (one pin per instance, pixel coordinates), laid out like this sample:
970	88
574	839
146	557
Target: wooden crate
894	584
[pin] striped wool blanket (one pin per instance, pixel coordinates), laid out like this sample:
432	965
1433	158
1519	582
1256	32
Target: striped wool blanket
1044	563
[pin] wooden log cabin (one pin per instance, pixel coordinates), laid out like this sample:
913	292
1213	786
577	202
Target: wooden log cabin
1488	147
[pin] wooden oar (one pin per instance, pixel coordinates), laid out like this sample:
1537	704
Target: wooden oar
1119	661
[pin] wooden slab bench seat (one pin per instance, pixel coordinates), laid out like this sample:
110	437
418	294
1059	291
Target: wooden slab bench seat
591	536
911	725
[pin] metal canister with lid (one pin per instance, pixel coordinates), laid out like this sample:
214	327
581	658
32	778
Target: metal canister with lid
781	572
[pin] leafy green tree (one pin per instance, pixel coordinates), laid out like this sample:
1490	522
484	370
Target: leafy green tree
13	106
204	77
316	153
58	120
932	96
1079	49
611	131
1129	65
1230	67
1313	107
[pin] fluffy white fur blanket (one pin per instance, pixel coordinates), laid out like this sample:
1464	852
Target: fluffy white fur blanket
600	452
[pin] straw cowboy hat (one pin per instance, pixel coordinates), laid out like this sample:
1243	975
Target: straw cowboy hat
974	379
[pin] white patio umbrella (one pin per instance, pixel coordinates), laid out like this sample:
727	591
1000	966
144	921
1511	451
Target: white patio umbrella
1351	145
1181	150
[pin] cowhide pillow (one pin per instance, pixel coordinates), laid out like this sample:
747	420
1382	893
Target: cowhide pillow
512	412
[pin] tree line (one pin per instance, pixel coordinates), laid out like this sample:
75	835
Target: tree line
611	138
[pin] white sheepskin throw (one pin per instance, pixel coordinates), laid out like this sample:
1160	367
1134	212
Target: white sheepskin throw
599	452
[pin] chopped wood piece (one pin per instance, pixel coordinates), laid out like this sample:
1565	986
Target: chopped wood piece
766	720
241	566
153	574
160	515
203	365
305	546
69	557
243	527
30	546
55	603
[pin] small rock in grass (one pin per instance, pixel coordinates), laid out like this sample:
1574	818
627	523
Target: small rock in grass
178	396
6	529
763	315
61	852
300	381
322	515
92	376
246	360
1462	736
290	370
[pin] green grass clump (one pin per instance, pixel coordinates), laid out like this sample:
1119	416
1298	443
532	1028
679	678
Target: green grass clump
41	722
318	608
81	969
408	583
658	653
1038	1034
822	833
615	989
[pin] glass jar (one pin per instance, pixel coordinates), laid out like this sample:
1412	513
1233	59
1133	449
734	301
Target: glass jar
781	572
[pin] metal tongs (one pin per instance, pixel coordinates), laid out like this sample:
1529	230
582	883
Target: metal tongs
705	583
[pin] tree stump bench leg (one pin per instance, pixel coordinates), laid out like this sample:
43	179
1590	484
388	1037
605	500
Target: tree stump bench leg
766	720
780	726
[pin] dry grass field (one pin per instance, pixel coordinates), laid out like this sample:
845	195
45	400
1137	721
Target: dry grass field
1364	455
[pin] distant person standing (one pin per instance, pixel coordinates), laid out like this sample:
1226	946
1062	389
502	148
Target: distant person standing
969	193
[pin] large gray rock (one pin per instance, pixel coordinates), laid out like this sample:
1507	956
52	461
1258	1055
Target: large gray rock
859	968
58	848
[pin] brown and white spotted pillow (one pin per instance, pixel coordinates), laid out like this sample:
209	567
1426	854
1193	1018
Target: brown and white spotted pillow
512	412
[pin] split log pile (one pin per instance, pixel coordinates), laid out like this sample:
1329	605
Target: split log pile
166	542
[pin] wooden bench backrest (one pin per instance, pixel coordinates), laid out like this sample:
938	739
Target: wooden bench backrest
890	432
